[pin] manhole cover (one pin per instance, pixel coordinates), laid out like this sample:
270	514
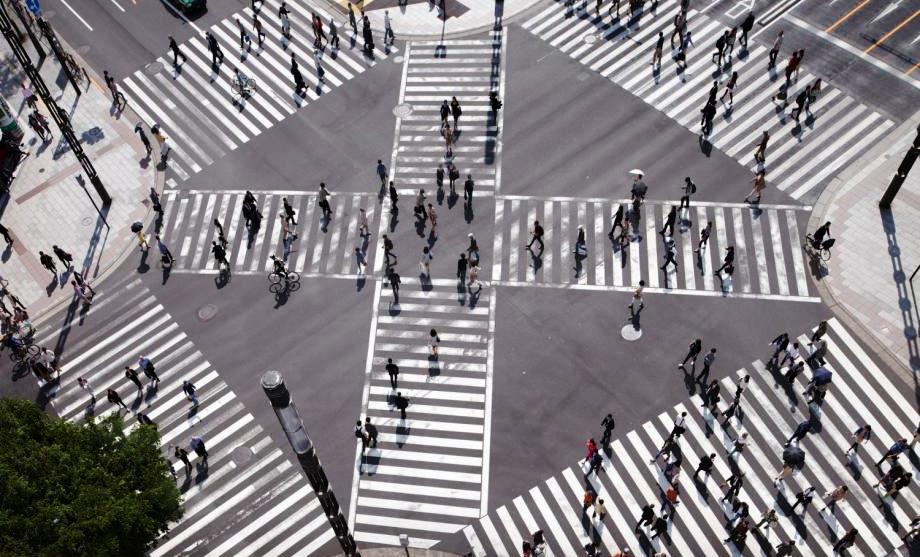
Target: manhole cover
590	38
242	455
399	59
403	110
83	49
630	333
207	312
154	68
87	221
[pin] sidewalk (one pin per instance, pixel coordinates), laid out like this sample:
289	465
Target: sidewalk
866	281
46	205
420	19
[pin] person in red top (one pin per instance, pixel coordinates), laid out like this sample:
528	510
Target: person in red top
592	448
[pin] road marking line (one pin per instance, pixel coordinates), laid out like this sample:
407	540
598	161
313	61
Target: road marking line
83	21
894	30
846	16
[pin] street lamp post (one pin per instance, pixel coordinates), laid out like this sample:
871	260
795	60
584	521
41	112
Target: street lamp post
289	418
901	174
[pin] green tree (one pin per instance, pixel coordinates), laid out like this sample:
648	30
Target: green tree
69	489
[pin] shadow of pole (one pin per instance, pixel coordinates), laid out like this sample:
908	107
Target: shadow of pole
900	279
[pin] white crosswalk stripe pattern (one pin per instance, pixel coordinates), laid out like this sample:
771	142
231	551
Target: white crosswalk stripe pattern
428	476
769	260
250	499
195	107
323	246
436	71
800	158
771	408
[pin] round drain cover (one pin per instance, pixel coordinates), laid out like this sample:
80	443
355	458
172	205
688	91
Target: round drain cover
83	49
399	59
154	68
207	312
590	38
630	333
242	455
87	221
402	110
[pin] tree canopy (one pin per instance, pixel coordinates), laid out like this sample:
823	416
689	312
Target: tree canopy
71	489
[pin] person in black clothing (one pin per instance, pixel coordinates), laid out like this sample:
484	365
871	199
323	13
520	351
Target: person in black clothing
174	47
47	262
133	377
394	285
536	235
705	465
394	197
468	189
617	221
693	351
445	111
393	372
371	431
646	518
401	404
217	55
182	455
4	231
113	397
708	112
65	257
608	424
727	260
461	267
439	176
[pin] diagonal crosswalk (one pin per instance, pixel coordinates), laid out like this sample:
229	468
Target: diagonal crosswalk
428	476
800	158
324	245
436	71
771	407
769	260
249	499
195	107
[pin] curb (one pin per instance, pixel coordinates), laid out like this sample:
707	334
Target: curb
159	184
818	217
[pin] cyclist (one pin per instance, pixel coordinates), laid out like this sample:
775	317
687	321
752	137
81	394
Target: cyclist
242	81
823	231
280	268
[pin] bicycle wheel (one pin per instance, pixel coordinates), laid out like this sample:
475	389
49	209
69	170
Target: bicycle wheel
825	254
274	277
235	88
33	350
251	85
293	276
293	286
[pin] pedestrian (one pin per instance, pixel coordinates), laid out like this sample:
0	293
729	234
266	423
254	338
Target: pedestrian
646	518
800	101
660	526
445	112
590	449
394	284
708	113
359	433
746	27
47	262
299	83
401	403
217	55
816	353
536	235
821	330
132	376
468	189
393	372
145	364
287	232
739	532
608	424
433	218
155	202
600	511
704	237
289	211
669	222
730	43
351	19
84	384
174	48
791	66
734	484
774	50
448	134
705	466
165	254
739	444
597	463
720	48
679	22
834	496
688	189
318	62
220	256
324	197
893	473
118	99
197	445
894	450
861	435
727	260
333	35
453	174
659	46
472	251
65	257
371	431
191	393
846	541
897	485
785	549
257	28
142	241
474	279
760	155
791	355
708	360
667	447
5	232
679	427
388	36
182	455
586	501
360	260
783	474
729	89
420	199
434	343
670	255
245	39
364	229
581	249
617	220
114	398
801	430
456	112
382	173
780	343
425	261
804	498
461	267
637	298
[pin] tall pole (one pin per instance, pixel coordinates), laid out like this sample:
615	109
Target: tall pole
26	20
901	174
287	414
59	116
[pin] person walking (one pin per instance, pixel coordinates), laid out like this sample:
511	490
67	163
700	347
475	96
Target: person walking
608	424
174	48
791	67
388	36
803	498
257	28
668	228
746	27
780	343
132	376
318	62
461	267
468	189
679	22
191	393
445	112
688	189
142	241
217	55
420	199
720	49
660	526
586	501
834	496
165	255
704	237
729	89
371	431
708	113
600	510
351	19
705	466
5	232
364	229
708	360
84	384
774	50
393	371
47	262
846	541
182	455
646	518
324	197
590	450
118	98
394	284
730	43
860	435
434	343
791	355
693	351
656	53
617	220
637	298
801	431
382	173
800	101
114	398
739	444
670	254
456	112
784	473
425	262
155	202
448	134
284	14
197	445
245	39
760	155
536	235
360	434
734	484
289	212
299	84
401	403
333	35
453	174
65	257
898	447
220	256
727	260
287	231
145	364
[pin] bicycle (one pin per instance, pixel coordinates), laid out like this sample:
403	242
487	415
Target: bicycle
290	280
244	89
823	251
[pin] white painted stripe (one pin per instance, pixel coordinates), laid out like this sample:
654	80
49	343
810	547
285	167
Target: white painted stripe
393	540
436	458
600	245
430	394
760	256
473	541
569	514
651	245
494	539
798	264
462	412
408	524
548	240
514	240
510	528
497	253
565	272
423	490
779	259
418	507
411	424
738	217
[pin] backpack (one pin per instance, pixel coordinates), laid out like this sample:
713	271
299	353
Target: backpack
692	187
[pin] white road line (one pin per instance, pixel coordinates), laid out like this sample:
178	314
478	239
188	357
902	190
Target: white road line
78	16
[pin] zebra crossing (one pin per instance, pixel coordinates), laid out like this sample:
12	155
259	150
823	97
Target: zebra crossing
434	71
800	159
249	499
769	259
323	246
195	107
428	477
771	409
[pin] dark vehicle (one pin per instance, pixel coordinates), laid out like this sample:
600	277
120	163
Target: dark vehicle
190	6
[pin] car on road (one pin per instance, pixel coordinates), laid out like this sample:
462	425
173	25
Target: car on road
189	6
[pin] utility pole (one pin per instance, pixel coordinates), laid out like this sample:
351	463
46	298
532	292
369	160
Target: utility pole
60	117
292	424
898	180
27	20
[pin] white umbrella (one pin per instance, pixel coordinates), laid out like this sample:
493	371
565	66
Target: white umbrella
637	172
